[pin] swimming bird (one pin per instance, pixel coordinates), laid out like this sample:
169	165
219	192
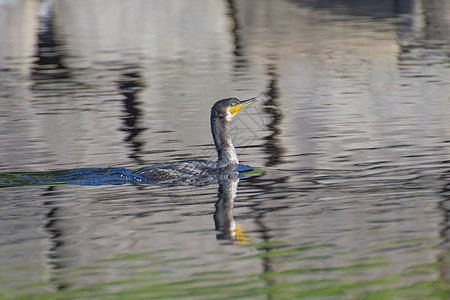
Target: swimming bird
199	172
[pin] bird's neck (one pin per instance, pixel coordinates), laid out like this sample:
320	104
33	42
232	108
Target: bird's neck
226	153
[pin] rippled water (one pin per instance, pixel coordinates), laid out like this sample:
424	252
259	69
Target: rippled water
354	142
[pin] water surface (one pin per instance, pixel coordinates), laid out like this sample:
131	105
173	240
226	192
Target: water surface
354	144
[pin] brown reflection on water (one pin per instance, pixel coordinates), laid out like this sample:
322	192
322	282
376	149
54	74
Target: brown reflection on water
273	147
130	85
240	64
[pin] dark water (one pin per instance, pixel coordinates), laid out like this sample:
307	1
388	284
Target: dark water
354	142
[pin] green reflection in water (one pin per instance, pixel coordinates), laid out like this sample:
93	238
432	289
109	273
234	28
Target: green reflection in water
145	277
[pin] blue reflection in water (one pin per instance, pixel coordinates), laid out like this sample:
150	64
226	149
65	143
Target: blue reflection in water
101	176
84	176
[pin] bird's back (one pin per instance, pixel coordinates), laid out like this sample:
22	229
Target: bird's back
178	172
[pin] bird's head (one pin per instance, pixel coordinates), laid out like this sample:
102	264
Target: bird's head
227	108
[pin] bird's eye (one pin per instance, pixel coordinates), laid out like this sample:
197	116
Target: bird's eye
232	104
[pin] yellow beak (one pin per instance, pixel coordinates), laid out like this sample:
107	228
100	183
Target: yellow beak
242	104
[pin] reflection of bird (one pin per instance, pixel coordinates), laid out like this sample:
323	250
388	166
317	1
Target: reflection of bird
190	171
226	226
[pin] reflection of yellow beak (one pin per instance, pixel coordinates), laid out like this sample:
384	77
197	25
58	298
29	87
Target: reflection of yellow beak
242	104
240	236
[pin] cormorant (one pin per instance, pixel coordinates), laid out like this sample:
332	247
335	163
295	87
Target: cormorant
200	171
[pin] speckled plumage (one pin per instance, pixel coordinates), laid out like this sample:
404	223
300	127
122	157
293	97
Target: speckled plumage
178	170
